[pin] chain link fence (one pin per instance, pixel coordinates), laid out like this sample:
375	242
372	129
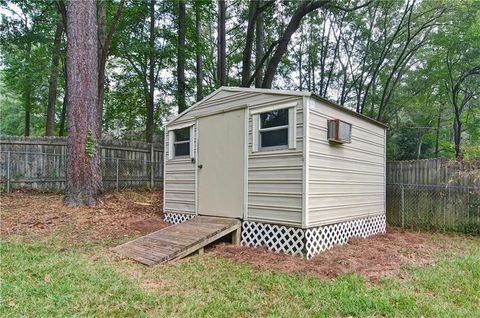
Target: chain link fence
434	207
46	171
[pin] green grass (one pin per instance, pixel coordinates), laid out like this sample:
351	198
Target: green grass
45	279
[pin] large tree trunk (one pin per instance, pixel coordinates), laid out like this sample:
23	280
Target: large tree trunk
52	88
259	45
83	179
198	51
151	76
222	44
182	104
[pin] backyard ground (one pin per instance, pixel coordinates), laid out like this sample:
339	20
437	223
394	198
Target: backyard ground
56	261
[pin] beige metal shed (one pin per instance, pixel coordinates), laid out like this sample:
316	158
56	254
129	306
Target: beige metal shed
301	172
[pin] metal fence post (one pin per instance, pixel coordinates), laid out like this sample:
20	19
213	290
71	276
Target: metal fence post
403	207
117	178
8	172
445	209
152	157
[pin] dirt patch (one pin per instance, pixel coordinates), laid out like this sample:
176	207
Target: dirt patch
129	213
376	257
29	213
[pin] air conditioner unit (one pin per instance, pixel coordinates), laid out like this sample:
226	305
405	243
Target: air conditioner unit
339	132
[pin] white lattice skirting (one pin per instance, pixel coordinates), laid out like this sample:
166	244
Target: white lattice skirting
312	241
175	218
325	237
276	238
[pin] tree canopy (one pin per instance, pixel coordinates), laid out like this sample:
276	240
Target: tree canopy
414	65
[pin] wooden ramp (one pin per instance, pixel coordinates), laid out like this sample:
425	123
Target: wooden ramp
180	240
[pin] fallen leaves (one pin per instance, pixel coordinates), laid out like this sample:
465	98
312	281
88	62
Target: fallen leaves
115	216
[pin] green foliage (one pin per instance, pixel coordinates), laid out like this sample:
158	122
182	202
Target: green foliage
26	38
348	57
91	145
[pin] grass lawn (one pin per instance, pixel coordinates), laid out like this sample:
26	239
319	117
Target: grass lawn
61	270
44	279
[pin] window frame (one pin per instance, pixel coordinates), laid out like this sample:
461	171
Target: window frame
257	128
172	142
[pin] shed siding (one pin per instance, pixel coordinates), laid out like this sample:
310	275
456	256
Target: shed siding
342	182
179	182
275	177
345	181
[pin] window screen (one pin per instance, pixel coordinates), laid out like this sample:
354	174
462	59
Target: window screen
274	128
181	144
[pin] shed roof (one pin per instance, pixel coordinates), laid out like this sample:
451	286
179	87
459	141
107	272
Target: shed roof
278	92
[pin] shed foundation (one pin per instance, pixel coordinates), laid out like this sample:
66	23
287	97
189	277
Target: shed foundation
296	241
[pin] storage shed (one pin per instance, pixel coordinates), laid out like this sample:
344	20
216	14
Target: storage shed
301	172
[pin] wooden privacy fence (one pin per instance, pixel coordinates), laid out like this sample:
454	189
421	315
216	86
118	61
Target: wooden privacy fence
39	163
435	172
435	194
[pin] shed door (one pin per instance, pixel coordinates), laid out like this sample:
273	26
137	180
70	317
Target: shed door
221	158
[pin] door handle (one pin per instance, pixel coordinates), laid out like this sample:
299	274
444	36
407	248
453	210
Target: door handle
200	166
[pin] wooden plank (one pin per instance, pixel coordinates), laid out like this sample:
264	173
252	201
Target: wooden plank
236	236
137	255
179	240
203	243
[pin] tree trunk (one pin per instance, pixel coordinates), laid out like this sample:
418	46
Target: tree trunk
151	76
27	122
300	62
457	138
52	88
259	45
83	179
249	39
27	94
222	44
198	51
101	33
63	114
104	40
182	104
303	9
437	133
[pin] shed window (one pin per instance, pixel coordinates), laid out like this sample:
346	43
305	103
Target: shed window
273	131
181	142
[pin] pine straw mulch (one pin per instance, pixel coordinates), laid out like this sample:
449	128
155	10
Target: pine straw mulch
374	258
117	215
32	214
